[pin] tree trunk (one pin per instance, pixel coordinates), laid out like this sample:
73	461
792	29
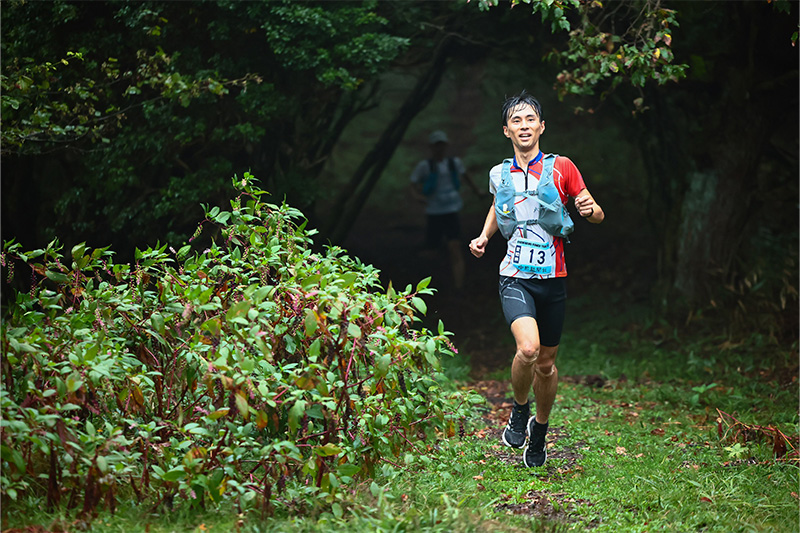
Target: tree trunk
703	146
352	197
718	204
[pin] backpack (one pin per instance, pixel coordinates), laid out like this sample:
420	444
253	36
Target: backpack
553	215
429	185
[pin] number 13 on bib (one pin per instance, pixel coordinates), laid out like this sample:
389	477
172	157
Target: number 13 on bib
534	257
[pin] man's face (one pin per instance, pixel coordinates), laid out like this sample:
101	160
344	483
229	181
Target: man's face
524	128
438	150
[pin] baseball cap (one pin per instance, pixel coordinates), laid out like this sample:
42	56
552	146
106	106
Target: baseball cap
437	136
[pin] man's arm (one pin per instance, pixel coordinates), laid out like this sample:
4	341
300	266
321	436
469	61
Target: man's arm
417	182
478	245
588	208
416	192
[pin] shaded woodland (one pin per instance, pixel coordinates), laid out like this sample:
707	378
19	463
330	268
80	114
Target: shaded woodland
154	107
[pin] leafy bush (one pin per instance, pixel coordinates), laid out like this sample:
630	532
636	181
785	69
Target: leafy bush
256	370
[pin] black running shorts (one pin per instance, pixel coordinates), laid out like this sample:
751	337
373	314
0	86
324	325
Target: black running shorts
542	299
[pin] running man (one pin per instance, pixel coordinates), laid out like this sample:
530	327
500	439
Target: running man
532	274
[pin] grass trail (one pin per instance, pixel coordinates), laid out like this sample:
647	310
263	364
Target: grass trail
640	440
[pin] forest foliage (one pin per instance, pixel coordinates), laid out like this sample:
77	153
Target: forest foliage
254	371
120	118
250	365
142	106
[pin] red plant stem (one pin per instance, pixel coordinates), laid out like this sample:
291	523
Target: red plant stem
421	420
284	391
352	356
390	462
403	434
323	433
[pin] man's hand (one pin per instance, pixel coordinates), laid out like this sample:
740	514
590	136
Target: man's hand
416	192
478	246
585	205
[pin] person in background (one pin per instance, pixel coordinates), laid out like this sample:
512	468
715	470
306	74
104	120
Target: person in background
437	183
533	272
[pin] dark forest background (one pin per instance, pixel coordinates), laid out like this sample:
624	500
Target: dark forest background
121	119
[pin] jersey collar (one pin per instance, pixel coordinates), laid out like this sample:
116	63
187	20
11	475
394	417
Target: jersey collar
531	163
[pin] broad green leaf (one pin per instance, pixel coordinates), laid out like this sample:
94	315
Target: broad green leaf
238	310
328	450
295	414
315	411
242	405
348	279
21	346
11	455
212	326
174	475
382	365
78	250
58	277
74	382
219	413
310	281
248	364
157	321
314	349
310	322
353	331
423	284
348	469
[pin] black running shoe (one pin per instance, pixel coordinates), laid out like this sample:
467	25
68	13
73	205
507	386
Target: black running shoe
535	453
515	432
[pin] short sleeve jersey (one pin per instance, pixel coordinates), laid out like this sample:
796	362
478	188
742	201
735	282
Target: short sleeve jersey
445	198
569	182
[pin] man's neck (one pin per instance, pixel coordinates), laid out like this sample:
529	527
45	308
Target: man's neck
523	158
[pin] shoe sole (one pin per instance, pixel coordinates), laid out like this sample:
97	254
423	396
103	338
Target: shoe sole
525	459
511	445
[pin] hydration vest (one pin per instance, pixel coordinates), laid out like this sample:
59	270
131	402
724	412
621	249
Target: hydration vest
553	215
429	185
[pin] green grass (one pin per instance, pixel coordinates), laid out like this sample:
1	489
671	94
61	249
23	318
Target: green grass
641	453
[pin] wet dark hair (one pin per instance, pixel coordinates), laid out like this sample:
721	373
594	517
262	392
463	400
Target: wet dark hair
517	100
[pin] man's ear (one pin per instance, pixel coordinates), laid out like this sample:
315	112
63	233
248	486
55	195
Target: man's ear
505	131
542	127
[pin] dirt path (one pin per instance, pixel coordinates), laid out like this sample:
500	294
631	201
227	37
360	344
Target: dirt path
563	460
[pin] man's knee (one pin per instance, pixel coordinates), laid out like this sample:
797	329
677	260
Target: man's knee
545	368
528	353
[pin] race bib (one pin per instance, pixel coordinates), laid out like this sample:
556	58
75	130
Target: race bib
534	257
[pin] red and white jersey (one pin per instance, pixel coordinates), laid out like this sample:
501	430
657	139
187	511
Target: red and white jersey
569	182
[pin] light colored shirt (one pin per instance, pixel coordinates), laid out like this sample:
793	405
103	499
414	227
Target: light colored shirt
445	198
